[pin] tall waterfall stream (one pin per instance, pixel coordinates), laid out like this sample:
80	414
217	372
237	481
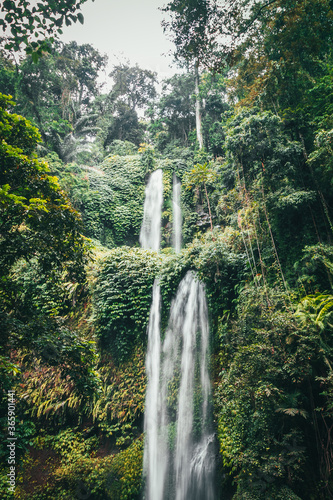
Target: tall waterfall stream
179	442
150	234
176	214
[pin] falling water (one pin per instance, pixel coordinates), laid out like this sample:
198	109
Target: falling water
185	396
154	457
176	214
150	237
179	443
150	234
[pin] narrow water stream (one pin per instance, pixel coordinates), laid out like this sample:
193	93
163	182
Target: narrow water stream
150	234
176	214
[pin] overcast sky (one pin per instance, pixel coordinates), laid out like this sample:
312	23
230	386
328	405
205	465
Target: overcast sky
126	29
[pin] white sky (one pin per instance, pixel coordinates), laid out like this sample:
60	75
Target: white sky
125	30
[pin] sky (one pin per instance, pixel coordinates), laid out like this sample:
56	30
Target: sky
126	30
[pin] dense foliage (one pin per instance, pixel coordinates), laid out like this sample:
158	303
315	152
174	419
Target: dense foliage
123	297
23	21
256	204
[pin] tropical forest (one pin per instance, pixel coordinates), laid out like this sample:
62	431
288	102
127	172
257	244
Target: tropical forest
166	256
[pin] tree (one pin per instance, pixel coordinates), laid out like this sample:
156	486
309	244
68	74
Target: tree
124	125
133	90
216	111
281	50
7	74
69	147
173	116
22	22
193	28
57	94
79	67
37	220
202	175
133	85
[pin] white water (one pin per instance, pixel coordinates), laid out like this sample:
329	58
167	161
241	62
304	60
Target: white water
154	455
185	395
179	444
176	215
150	234
150	237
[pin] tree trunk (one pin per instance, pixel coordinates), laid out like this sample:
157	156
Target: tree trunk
210	213
197	106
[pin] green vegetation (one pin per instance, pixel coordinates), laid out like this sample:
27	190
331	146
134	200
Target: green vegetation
256	201
123	297
23	21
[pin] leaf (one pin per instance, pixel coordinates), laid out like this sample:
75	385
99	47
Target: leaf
35	57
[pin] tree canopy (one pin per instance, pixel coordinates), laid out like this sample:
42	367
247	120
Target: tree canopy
23	22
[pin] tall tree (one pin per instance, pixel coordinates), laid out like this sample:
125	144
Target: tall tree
133	85
280	50
80	67
37	221
7	74
57	94
193	27
133	90
215	111
173	118
36	218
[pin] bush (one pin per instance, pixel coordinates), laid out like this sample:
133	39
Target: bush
71	469
122	299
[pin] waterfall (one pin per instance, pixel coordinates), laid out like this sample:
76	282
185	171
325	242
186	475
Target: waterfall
185	396
176	214
150	234
154	456
150	237
179	442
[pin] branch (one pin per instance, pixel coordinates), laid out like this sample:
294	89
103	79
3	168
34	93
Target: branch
256	16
